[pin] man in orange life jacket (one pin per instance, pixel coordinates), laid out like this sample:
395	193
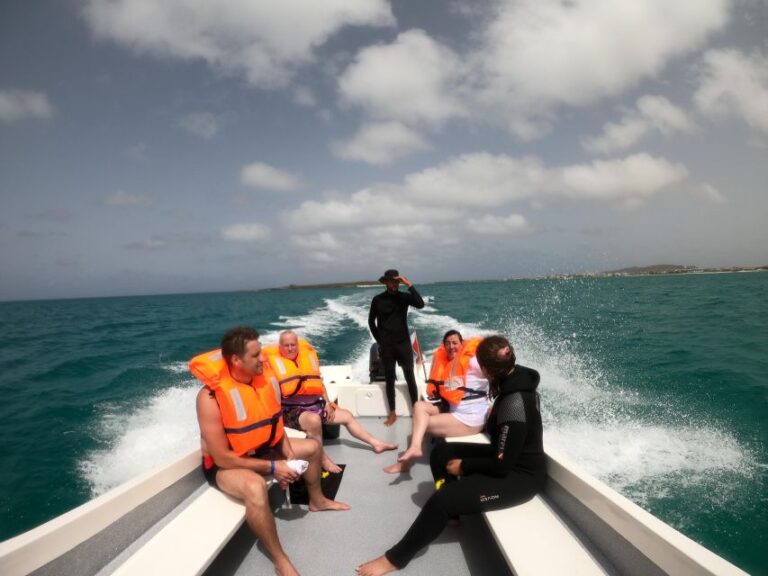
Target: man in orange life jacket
387	320
306	405
457	381
242	437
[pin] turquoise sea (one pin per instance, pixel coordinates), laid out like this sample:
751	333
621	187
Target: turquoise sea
657	385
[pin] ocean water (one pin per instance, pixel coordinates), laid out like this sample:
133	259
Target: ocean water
656	385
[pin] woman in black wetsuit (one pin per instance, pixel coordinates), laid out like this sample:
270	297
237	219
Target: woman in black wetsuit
474	478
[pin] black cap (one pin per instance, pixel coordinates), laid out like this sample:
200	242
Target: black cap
389	275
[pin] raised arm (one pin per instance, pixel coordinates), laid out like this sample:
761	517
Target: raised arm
414	298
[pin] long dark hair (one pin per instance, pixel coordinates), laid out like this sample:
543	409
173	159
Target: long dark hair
496	357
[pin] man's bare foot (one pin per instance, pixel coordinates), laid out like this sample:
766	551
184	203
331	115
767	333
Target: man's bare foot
391	417
283	567
326	504
410	454
379	446
399	467
330	466
376	567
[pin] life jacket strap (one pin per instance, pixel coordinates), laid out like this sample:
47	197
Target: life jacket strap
471	393
300	385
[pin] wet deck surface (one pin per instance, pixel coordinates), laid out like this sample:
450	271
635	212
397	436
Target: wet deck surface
383	508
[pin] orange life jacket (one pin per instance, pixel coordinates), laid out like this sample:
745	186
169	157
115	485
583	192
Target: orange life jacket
251	413
300	376
447	378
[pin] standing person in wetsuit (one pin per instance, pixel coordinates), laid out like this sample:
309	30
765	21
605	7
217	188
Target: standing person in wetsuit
474	478
387	320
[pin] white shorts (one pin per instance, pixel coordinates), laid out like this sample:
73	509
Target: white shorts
471	413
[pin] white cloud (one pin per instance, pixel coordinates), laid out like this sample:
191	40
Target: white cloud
323	241
633	178
498	225
479	179
532	58
413	79
664	116
538	55
470	185
303	96
121	198
263	41
735	84
18	105
618	135
202	124
709	192
380	143
435	206
266	177
652	113
246	232
363	210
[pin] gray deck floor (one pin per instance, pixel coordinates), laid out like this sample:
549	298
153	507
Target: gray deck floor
383	507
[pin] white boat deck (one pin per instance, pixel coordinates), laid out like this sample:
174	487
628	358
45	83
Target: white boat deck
383	508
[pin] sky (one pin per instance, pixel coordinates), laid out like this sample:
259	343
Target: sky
192	146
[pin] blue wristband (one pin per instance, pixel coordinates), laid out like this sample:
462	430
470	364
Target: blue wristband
272	467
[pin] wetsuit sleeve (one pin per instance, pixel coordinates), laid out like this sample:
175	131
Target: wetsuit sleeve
415	298
372	321
509	439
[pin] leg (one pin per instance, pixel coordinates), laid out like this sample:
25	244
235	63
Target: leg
423	412
388	363
310	451
342	416
251	488
312	424
469	495
428	525
421	415
410	379
427	419
405	359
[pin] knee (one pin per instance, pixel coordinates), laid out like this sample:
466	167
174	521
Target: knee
313	448
312	423
342	416
255	491
421	406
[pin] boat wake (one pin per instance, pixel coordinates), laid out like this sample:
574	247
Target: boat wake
147	437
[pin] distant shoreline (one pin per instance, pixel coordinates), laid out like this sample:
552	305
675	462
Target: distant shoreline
656	270
662	270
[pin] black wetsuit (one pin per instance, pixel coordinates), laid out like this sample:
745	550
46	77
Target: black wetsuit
387	320
508	471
